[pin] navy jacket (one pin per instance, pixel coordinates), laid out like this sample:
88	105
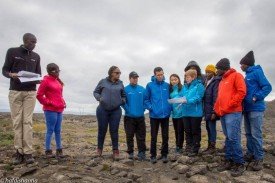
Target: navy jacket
111	95
21	59
156	99
134	106
210	96
257	86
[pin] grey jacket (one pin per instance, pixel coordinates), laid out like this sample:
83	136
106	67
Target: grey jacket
111	95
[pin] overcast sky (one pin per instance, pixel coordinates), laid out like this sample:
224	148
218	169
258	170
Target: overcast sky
85	38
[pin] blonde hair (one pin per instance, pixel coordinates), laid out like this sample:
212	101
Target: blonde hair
192	73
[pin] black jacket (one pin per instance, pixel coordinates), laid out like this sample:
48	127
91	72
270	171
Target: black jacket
111	95
21	59
210	96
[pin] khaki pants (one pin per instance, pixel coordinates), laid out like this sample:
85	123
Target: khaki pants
22	104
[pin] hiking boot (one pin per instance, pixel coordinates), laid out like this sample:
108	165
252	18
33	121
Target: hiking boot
28	158
131	156
187	150
211	149
141	156
257	165
164	159
49	154
59	153
238	170
193	154
248	158
17	158
99	152
116	155
153	160
227	165
178	150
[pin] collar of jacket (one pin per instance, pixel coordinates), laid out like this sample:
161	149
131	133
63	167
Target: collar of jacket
230	71
109	79
252	68
154	79
25	49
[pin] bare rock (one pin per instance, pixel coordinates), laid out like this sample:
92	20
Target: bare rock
217	159
73	176
120	167
133	176
173	165
183	159
122	174
26	171
91	179
199	179
268	177
182	169
58	178
114	171
193	160
127	162
211	166
199	169
208	158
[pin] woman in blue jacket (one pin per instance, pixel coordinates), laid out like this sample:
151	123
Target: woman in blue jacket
111	95
192	111
176	92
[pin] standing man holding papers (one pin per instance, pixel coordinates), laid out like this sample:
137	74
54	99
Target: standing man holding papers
22	96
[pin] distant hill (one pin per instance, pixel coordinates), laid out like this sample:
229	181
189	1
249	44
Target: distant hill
270	110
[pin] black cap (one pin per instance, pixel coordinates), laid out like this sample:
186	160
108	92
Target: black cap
133	74
223	64
248	59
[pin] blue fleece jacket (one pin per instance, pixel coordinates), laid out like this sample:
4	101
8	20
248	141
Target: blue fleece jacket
135	95
156	99
177	108
257	86
194	93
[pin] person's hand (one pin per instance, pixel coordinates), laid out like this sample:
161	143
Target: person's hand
213	117
13	75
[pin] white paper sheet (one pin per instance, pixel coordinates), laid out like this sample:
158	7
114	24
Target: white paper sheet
177	100
24	79
27	74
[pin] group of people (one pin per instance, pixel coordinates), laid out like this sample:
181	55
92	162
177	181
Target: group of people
220	94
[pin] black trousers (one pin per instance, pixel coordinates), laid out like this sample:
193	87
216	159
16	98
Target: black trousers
155	123
179	131
135	126
192	128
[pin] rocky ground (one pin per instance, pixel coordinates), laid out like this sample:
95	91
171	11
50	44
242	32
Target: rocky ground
81	164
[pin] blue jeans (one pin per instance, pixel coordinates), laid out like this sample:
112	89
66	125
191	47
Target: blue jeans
53	123
211	130
231	125
105	118
253	122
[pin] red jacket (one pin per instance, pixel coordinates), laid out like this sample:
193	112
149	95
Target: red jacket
49	94
232	90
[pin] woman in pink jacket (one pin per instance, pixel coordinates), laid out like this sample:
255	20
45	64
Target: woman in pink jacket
49	94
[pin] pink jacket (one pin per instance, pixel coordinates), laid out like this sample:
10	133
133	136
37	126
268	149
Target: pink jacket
49	94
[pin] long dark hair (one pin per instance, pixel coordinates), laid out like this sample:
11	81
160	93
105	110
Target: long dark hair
179	85
52	67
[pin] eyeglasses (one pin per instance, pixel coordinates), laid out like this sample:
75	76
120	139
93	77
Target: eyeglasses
118	73
56	71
